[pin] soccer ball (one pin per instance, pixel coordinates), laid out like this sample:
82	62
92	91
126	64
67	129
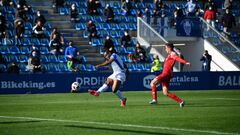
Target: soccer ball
75	87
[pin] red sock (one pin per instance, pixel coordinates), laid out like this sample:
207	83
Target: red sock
174	97
154	92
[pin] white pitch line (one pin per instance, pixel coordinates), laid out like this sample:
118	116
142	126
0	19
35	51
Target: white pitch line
123	125
224	98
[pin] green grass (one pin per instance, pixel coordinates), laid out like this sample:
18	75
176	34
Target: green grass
83	114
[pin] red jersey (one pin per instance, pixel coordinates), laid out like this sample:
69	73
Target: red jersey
170	61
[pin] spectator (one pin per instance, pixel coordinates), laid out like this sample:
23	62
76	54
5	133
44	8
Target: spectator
71	53
57	4
228	20
108	43
177	14
228	4
147	15
109	14
23	8
156	64
139	13
158	5
127	7
19	27
6	3
74	13
34	63
13	68
98	3
59	36
210	16
36	50
212	4
92	7
192	8
2	26
206	59
126	40
55	46
38	30
40	18
91	28
140	53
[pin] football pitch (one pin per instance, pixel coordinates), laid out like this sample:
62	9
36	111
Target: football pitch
205	113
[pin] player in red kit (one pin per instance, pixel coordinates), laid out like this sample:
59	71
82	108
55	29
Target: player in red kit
166	75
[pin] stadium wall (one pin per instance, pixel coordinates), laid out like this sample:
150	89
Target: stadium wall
60	83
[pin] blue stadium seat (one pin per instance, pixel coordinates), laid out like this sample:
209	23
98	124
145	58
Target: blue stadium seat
121	50
131	26
90	67
28	26
98	19
114	34
147	66
139	67
11	58
43	50
4	50
130	50
27	33
35	41
10	25
10	17
22	67
99	26
52	58
14	50
80	26
44	42
51	67
95	42
82	11
26	42
115	4
114	26
22	58
123	26
104	33
85	34
48	26
44	59
24	50
106	26
3	68
63	11
62	58
62	67
131	67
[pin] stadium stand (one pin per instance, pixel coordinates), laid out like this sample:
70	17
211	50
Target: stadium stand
18	50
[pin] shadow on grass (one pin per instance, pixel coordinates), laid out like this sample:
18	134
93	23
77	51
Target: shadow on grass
17	122
117	130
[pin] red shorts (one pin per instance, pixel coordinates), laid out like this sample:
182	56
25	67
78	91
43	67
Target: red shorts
164	79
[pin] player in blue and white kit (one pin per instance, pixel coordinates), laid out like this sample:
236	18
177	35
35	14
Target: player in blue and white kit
117	78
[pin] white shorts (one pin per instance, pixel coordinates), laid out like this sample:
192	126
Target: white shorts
118	76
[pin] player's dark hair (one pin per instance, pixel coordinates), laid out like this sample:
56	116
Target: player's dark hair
170	45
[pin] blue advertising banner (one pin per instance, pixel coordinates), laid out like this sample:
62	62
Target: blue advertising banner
60	83
189	27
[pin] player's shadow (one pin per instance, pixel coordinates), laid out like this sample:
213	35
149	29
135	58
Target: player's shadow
17	122
118	130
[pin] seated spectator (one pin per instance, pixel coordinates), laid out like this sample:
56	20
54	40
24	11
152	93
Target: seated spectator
126	40
156	64
210	17
127	7
23	8
55	46
2	62
72	55
40	18
19	27
34	63
57	4
74	13
228	21
91	28
59	36
108	43
158	5
192	8
36	50
98	3
2	26
38	30
92	7
140	53
13	68
109	14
